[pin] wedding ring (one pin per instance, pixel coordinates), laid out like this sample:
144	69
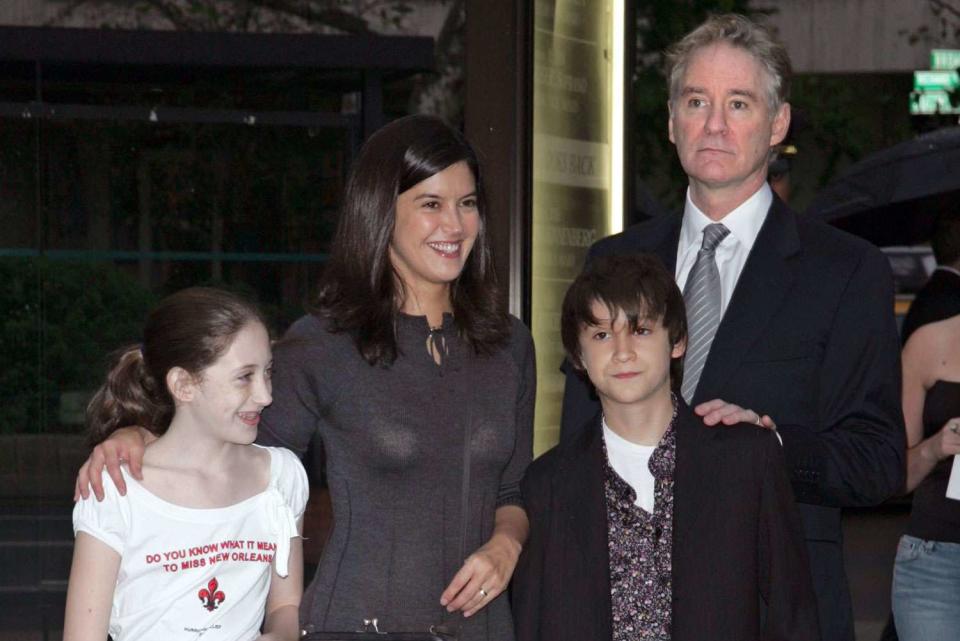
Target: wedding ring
953	427
483	593
759	421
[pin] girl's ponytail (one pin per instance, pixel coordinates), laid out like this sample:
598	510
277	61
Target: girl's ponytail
129	396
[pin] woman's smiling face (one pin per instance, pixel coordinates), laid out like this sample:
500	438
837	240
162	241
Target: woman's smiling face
436	226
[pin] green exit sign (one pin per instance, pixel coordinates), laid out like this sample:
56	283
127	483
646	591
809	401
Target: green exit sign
933	102
935	80
944	59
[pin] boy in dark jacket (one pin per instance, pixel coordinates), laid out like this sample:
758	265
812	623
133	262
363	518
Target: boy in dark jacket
650	525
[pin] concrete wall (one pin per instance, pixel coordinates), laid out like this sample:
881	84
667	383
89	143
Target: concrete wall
26	12
853	36
823	35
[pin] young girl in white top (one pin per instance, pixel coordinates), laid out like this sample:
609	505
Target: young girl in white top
207	544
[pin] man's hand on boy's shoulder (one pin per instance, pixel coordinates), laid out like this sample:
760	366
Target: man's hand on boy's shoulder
719	412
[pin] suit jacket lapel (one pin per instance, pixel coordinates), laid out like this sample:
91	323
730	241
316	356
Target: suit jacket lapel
581	488
662	239
766	279
692	474
580	501
692	494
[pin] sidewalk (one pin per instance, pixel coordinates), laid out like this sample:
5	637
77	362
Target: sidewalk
870	544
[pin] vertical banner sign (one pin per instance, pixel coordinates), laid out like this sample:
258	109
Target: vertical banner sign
577	168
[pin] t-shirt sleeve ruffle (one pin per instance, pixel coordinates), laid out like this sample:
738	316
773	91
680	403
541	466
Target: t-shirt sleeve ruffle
287	501
105	520
292	482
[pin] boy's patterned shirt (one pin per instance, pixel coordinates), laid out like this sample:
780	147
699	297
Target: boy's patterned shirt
640	549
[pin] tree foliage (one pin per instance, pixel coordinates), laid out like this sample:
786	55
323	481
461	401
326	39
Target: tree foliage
59	323
945	28
344	16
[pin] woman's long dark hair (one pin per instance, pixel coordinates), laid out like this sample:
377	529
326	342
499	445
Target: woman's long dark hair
190	329
359	290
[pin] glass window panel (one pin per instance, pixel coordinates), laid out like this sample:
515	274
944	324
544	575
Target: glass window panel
130	186
119	186
19	222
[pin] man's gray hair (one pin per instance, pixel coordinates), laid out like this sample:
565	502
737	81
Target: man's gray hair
741	32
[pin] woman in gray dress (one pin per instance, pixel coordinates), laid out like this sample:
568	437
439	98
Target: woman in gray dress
419	385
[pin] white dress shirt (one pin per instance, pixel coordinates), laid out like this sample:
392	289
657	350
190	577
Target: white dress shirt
744	224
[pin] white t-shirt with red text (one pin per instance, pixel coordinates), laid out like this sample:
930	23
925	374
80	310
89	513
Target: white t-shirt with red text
188	573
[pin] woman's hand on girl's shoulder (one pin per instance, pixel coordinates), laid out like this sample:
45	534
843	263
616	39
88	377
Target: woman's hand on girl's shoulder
126	445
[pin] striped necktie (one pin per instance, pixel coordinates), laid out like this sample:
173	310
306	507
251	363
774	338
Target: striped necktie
702	298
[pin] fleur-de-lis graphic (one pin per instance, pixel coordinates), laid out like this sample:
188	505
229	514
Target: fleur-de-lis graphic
210	596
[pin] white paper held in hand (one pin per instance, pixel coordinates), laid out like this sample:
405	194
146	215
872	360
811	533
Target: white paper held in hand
953	486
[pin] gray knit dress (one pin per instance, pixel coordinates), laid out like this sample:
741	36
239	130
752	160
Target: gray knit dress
394	443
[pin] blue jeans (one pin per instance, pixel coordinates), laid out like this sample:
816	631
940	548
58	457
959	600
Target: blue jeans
926	590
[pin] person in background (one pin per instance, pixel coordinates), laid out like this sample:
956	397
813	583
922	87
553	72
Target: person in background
649	524
926	575
791	322
940	297
938	300
779	171
421	387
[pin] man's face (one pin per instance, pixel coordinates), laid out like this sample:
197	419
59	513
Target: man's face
626	365
721	123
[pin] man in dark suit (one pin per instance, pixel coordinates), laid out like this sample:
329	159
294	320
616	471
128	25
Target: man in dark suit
940	297
791	321
649	524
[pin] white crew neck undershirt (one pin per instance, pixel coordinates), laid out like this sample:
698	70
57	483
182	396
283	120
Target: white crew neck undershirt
631	462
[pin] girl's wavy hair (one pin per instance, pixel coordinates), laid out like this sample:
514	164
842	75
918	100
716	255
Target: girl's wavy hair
190	329
360	291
